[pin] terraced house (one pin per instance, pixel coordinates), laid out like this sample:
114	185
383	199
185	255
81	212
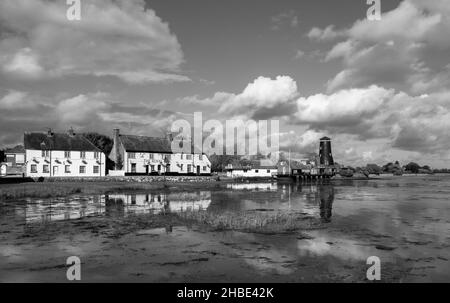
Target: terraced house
142	155
68	154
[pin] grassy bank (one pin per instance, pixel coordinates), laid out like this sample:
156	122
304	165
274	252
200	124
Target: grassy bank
62	189
277	222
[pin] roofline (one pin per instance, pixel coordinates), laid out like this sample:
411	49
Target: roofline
76	134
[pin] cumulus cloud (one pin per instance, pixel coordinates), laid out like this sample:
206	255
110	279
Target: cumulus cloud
327	34
261	99
99	112
113	38
345	107
394	52
396	120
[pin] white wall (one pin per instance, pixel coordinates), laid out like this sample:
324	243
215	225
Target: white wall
259	172
178	163
56	163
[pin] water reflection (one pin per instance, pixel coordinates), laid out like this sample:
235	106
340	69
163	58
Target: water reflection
158	202
326	196
313	199
113	205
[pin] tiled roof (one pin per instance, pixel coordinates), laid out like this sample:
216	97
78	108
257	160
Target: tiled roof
15	150
145	144
150	144
58	141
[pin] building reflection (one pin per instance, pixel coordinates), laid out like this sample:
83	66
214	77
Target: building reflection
156	203
326	198
114	205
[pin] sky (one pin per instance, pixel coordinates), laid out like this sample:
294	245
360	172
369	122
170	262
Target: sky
379	89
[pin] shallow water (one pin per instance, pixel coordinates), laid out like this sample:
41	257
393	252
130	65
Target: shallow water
405	221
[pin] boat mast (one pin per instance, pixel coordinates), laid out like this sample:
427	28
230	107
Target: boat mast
289	162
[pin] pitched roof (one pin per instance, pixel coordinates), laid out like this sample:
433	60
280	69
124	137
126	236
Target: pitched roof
58	141
145	144
133	143
15	150
325	139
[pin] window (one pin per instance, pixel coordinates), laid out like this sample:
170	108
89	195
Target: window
189	157
67	154
204	168
67	169
159	167
181	167
83	155
152	167
181	156
168	157
256	170
189	167
132	155
96	155
34	168
45	169
152	156
96	169
133	167
82	169
200	157
45	153
268	171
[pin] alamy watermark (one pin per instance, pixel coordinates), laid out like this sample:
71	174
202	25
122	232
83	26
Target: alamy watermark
374	271
236	137
73	273
374	11
73	10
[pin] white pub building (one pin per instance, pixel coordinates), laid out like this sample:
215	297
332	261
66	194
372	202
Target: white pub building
142	155
68	154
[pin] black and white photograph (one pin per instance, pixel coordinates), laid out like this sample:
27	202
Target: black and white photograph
216	142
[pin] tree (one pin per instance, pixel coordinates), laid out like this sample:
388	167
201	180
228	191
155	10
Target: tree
219	162
412	167
374	169
104	143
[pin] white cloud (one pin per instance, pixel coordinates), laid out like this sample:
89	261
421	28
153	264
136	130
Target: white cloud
394	52
14	100
326	34
342	107
261	93
118	38
264	97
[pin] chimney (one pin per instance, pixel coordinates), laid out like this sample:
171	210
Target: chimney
117	159
71	132
49	132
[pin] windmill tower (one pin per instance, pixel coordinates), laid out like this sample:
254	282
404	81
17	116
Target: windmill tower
325	155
